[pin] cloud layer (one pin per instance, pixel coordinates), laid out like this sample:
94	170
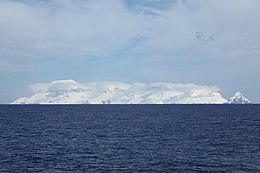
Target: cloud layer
71	92
37	29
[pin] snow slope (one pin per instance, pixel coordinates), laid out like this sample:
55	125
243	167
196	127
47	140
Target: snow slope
71	92
238	98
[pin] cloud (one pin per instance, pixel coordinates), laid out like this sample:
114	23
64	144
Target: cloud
251	49
37	29
63	28
69	91
202	37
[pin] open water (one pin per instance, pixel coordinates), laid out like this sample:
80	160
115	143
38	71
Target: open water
130	138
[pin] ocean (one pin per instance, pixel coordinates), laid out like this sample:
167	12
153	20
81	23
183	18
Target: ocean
130	138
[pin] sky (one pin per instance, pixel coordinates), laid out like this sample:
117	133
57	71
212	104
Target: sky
214	43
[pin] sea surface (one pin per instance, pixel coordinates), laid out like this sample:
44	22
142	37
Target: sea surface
130	138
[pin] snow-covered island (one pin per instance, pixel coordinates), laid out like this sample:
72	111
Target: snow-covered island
71	92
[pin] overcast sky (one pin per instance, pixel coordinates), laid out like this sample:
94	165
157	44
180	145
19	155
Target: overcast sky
180	41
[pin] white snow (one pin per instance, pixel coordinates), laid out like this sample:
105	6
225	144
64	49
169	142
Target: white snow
71	92
238	98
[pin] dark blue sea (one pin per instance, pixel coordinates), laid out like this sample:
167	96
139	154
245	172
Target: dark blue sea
130	138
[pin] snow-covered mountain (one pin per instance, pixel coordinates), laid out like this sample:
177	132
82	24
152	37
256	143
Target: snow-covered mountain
71	92
238	98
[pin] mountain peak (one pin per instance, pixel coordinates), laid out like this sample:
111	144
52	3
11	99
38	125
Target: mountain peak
238	98
238	94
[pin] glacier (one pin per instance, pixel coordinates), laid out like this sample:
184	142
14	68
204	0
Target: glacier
72	92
